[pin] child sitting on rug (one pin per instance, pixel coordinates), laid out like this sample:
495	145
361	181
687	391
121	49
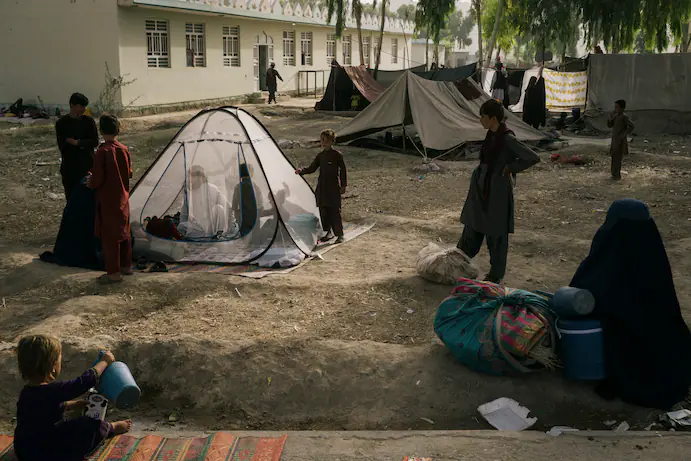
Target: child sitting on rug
333	179
42	433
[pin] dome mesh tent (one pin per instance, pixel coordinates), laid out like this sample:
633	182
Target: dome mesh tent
231	191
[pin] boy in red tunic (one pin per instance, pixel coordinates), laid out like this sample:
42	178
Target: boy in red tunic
111	179
333	179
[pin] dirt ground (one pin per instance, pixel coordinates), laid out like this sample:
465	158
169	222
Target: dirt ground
340	344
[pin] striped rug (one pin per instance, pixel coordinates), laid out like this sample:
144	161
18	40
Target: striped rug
220	446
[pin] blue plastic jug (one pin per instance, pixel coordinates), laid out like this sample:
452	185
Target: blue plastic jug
117	385
581	348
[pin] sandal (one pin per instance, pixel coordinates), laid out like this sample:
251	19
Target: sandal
158	267
141	264
105	279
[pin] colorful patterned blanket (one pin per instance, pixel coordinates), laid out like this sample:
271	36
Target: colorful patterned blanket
220	446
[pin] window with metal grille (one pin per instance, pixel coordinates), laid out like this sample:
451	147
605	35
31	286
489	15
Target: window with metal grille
306	48
231	46
288	47
330	48
194	34
365	50
347	48
157	45
394	51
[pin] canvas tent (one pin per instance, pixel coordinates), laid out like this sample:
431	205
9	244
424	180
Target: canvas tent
444	114
272	216
656	88
386	77
450	74
346	82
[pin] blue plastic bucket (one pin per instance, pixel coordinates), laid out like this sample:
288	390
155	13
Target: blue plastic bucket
118	385
581	348
569	302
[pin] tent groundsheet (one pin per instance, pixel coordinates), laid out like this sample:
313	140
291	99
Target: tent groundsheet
443	116
656	88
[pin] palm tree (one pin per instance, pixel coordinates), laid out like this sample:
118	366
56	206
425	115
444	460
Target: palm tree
357	12
477	7
338	8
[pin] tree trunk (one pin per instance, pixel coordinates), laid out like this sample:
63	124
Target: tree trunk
563	55
381	38
685	38
426	52
495	32
436	53
478	17
357	9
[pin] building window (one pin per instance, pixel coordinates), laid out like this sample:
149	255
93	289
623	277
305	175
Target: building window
157	48
394	51
375	50
365	50
231	46
194	34
306	48
330	48
347	48
288	47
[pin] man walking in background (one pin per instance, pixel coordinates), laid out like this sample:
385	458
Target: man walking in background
271	76
77	138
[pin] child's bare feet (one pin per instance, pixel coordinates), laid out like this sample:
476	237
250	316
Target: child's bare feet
121	427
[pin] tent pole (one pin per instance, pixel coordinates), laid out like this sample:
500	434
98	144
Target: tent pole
403	126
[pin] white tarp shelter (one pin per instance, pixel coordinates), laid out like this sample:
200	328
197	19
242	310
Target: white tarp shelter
656	88
443	117
226	217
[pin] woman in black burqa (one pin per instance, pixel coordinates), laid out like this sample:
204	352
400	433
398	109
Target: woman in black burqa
534	103
647	342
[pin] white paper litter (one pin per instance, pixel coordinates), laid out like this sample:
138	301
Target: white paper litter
506	415
681	417
559	430
622	427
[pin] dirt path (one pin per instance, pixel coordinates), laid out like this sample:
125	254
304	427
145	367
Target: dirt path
346	340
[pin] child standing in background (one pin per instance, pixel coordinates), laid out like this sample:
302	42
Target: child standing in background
110	177
41	432
622	127
332	183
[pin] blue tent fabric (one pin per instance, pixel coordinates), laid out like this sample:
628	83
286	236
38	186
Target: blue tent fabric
76	245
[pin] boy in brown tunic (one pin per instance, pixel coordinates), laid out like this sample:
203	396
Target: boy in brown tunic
621	127
333	179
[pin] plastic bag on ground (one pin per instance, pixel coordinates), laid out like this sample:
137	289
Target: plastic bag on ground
445	265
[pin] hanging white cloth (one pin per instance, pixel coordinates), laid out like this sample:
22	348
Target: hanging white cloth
205	213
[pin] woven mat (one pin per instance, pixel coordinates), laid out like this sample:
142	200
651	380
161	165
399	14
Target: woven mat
351	231
220	446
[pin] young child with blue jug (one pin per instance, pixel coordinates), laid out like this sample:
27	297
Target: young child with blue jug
42	432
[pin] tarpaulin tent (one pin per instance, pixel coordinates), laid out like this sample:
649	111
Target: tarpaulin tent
443	115
346	82
447	74
656	88
387	77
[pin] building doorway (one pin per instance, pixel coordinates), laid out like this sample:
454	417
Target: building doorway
263	56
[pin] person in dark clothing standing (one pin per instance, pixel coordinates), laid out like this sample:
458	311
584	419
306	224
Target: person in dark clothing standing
535	101
77	138
271	76
488	212
333	179
622	127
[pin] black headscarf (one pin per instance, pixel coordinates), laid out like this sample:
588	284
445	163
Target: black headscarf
535	101
647	342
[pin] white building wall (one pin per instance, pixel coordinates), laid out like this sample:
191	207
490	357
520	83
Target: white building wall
179	83
51	49
418	54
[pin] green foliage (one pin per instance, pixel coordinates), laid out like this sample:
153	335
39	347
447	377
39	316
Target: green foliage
432	15
508	32
339	9
406	11
459	27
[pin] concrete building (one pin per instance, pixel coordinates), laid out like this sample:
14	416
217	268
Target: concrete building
418	49
176	51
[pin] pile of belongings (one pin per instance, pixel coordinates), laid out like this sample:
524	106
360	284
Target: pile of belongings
445	265
497	330
19	110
